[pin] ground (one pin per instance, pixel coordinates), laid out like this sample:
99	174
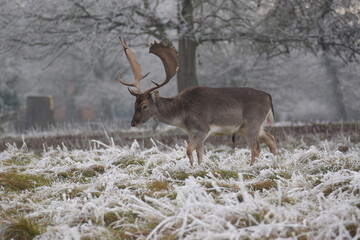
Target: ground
146	189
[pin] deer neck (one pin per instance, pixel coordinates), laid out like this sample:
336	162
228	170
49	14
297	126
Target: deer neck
169	112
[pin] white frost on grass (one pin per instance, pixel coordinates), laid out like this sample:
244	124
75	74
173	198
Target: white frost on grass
113	192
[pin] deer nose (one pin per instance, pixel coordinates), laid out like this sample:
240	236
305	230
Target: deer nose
134	123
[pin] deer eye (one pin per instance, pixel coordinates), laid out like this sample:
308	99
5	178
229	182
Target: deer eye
145	107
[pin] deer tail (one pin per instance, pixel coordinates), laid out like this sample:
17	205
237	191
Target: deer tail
270	115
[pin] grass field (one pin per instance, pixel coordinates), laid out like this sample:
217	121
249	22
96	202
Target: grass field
310	190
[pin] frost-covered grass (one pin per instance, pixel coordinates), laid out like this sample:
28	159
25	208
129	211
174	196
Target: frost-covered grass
112	192
8	129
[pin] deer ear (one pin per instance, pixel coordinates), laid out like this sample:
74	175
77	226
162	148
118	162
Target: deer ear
155	95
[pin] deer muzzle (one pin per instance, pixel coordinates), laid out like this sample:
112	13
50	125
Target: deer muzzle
135	123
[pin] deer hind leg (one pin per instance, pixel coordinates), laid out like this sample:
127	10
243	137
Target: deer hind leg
269	140
196	143
253	141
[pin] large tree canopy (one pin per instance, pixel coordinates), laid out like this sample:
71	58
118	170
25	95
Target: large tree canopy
274	27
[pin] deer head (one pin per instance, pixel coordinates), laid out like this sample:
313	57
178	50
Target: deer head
145	107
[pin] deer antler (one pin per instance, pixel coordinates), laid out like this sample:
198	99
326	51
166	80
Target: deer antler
136	69
168	55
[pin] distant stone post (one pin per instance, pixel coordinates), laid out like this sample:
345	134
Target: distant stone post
39	112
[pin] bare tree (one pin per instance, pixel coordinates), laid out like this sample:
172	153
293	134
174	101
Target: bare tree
269	27
331	28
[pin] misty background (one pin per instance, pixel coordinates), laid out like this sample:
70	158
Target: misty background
305	53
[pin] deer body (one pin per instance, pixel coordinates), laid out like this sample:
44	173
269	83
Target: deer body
202	111
215	110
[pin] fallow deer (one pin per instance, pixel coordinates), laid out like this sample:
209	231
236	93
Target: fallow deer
201	111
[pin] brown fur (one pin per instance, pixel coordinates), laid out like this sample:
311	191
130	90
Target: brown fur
197	109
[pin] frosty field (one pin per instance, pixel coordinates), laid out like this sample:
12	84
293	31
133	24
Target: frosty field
129	192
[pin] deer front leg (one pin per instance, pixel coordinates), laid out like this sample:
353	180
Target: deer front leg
200	153
189	151
196	143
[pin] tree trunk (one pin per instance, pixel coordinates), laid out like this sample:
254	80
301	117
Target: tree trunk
39	112
331	68
186	76
337	95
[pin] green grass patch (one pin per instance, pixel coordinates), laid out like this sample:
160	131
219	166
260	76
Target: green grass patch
14	181
227	174
118	234
110	217
247	220
288	200
284	174
158	189
128	230
179	175
261	185
342	186
201	173
129	160
248	176
20	229
100	169
75	192
15	161
81	175
232	187
128	217
19	160
352	228
158	185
